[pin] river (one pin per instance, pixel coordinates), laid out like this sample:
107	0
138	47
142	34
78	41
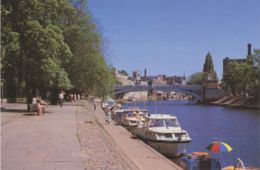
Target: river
206	123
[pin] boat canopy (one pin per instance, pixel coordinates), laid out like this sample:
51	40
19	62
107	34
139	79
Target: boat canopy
164	123
160	116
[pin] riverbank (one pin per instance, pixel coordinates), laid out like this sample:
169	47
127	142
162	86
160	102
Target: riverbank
73	137
97	147
227	101
238	102
142	155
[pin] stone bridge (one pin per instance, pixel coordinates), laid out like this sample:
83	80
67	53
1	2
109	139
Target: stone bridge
194	90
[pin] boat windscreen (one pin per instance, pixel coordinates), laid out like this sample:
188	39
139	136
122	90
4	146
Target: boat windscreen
130	114
171	123
141	114
164	123
157	123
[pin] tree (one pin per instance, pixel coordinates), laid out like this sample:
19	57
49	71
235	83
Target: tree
88	70
196	78
238	76
256	73
39	43
256	67
51	45
123	72
208	67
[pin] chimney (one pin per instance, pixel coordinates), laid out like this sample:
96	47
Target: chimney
144	72
249	46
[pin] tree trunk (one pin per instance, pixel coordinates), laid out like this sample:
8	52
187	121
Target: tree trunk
29	95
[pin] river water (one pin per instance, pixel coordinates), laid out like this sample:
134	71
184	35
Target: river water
207	123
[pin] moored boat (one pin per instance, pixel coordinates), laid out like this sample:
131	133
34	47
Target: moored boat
117	114
132	117
108	104
164	133
199	161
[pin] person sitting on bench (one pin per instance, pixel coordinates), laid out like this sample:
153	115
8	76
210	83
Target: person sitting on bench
41	106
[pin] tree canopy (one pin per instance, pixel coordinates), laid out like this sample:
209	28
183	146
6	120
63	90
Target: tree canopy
208	67
123	72
196	78
51	45
237	76
243	76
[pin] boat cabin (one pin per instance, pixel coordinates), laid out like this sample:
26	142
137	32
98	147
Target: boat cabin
162	121
132	117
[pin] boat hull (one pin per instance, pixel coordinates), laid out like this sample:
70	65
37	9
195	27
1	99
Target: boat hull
170	149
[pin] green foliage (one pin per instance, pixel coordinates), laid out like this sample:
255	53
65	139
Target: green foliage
123	72
243	76
238	76
209	67
257	57
196	78
256	68
52	45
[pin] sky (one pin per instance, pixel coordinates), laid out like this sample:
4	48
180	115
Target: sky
172	37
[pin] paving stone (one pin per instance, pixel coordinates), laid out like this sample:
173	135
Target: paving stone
62	156
41	143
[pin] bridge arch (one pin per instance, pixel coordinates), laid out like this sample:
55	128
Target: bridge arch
193	90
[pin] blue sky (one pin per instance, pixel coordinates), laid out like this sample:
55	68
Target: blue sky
172	37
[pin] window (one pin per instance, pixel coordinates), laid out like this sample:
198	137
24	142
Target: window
157	123
171	123
164	123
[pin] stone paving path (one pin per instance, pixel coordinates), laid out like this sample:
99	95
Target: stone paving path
98	148
47	142
71	138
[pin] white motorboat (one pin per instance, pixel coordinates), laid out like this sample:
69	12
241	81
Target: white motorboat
132	117
117	114
163	133
108	104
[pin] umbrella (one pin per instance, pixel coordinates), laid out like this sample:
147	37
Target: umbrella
218	147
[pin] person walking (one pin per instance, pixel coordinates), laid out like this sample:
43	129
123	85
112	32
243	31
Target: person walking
61	98
94	103
108	116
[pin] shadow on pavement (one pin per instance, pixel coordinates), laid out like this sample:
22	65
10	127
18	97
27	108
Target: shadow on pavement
13	110
29	114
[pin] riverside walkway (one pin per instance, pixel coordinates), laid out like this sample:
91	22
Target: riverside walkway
39	142
71	138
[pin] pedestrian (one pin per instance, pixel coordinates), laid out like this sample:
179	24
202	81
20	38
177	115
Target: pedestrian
41	106
74	97
108	116
44	105
71	97
94	103
61	98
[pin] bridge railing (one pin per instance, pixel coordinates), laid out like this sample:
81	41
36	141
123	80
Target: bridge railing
159	87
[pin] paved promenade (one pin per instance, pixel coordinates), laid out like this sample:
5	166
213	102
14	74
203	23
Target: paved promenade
40	142
71	138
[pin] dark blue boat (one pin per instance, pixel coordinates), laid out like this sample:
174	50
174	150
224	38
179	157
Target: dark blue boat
199	161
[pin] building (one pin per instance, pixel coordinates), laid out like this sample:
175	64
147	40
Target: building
249	58
136	77
171	80
123	79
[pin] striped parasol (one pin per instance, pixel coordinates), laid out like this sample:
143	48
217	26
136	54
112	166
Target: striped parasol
218	147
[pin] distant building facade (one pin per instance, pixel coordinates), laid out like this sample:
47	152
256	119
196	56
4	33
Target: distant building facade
248	59
136	77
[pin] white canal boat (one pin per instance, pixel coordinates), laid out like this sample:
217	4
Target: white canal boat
132	117
163	133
